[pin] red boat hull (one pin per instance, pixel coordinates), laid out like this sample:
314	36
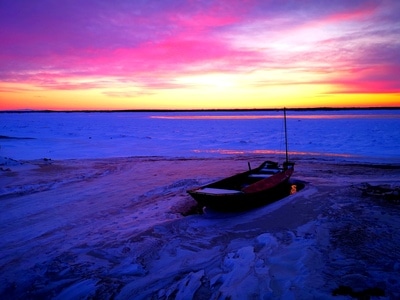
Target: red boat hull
225	194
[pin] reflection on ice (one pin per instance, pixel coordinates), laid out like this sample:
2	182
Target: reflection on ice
293	189
269	152
216	117
269	116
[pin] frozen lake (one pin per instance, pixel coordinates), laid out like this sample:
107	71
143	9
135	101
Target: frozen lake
115	225
361	134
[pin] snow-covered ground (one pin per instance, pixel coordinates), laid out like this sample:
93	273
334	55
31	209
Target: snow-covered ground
113	225
105	228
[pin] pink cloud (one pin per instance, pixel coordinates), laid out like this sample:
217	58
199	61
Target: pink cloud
378	79
365	10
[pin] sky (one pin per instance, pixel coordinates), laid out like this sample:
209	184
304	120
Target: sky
173	54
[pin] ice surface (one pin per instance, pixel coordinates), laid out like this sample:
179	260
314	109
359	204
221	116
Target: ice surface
99	135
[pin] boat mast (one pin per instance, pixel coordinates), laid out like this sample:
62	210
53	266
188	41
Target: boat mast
286	143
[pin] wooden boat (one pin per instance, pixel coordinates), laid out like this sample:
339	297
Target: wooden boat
251	188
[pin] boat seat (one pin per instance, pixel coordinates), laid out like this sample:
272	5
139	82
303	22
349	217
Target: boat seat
269	171
218	191
259	175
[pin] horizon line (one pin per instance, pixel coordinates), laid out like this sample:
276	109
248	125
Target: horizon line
322	108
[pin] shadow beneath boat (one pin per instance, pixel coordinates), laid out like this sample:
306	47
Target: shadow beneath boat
285	190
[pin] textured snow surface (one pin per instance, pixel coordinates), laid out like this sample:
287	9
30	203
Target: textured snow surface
113	228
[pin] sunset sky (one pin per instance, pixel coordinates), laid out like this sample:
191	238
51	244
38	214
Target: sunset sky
171	54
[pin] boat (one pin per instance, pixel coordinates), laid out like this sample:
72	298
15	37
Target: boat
249	189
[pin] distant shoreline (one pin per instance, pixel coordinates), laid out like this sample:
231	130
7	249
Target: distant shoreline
201	110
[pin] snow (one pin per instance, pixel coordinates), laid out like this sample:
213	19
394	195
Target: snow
115	227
